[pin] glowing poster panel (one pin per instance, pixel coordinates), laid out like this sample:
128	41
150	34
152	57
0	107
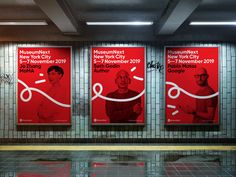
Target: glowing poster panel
192	88
118	85
44	86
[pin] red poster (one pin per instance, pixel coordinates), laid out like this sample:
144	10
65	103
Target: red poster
192	90
44	88
118	85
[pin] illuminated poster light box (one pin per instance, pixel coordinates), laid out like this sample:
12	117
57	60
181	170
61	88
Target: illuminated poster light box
44	86
118	85
192	86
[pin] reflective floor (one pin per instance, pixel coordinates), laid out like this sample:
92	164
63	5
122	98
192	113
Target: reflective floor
117	164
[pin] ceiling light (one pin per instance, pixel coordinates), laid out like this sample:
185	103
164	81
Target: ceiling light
23	22
214	23
120	23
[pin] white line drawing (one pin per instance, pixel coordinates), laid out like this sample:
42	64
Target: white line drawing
40	81
30	89
99	94
175	112
171	106
178	89
133	69
138	78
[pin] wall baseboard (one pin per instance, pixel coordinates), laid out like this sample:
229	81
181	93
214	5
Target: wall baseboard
115	141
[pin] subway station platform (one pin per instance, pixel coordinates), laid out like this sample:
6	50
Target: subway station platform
117	161
117	88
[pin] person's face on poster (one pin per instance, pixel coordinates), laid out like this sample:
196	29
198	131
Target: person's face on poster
201	77
54	77
122	79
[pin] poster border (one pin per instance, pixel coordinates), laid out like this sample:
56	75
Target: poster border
219	86
44	124
91	90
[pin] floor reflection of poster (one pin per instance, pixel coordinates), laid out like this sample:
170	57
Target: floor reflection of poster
118	85
44	86
192	88
46	169
181	164
118	169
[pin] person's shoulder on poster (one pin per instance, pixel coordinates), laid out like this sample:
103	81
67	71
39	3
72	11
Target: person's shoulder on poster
116	94
207	90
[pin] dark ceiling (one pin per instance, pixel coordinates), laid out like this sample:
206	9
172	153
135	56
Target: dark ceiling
66	20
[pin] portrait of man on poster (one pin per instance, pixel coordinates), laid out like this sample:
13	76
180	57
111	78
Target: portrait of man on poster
48	110
123	112
205	109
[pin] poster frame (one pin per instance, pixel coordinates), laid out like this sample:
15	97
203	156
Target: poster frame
219	87
91	90
70	79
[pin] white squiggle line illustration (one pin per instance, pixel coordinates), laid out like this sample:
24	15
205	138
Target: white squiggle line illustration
171	106
133	69
30	89
138	78
176	112
98	94
40	81
41	74
178	89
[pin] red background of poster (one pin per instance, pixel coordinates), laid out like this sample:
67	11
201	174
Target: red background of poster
187	82
107	79
28	111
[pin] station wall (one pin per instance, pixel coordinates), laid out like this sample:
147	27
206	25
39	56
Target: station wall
81	130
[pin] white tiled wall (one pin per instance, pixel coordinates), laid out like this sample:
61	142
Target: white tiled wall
154	97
